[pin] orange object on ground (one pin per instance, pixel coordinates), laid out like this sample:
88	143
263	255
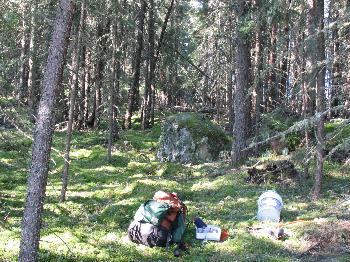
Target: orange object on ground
224	235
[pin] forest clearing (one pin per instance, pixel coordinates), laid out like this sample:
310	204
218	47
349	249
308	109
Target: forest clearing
131	124
102	199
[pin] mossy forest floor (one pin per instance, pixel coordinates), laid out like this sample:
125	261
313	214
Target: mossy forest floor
102	198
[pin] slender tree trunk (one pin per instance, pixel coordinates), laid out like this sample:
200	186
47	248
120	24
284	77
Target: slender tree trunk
132	96
82	99
163	30
272	89
311	56
334	95
112	89
258	92
37	179
285	60
100	66
73	95
241	98
88	69
150	93
230	73
320	95
25	43
33	86
151	69
310	65
159	47
346	87
172	85
231	115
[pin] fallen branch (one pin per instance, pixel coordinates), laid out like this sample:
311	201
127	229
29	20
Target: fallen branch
305	124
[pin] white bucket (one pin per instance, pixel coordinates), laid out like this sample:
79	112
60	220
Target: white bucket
269	206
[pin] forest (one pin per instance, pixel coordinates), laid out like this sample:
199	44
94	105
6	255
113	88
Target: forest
104	103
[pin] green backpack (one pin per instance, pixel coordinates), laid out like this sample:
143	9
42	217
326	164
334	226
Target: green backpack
178	228
152	212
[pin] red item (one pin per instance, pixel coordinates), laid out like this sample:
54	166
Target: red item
224	235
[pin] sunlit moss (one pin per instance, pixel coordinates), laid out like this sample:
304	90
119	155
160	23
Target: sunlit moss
102	198
80	153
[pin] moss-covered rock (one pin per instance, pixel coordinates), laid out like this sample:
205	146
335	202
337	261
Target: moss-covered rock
190	137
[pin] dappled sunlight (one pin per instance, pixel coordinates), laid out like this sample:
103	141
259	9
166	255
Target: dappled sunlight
57	239
212	185
130	201
83	194
81	153
11	246
110	169
7	161
103	197
159	183
128	188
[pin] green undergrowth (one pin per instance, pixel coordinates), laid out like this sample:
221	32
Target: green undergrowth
337	131
279	120
103	197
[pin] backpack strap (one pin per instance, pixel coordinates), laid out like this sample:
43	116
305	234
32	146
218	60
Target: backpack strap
167	245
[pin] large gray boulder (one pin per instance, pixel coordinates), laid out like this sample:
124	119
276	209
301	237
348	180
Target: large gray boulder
189	138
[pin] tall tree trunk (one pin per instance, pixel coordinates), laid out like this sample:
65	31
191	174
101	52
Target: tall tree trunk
73	95
310	66
230	83
25	43
150	92
271	82
112	89
88	66
320	94
305	93
33	85
282	90
258	83
241	98
346	87
133	91
151	68
334	95
102	30
159	47
311	56
37	179
83	84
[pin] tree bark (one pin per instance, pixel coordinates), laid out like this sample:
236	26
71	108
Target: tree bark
102	30
33	85
133	91
320	94
285	60
37	179
311	57
25	43
231	114
241	98
272	97
346	87
258	83
73	95
111	112
88	68
83	84
151	68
